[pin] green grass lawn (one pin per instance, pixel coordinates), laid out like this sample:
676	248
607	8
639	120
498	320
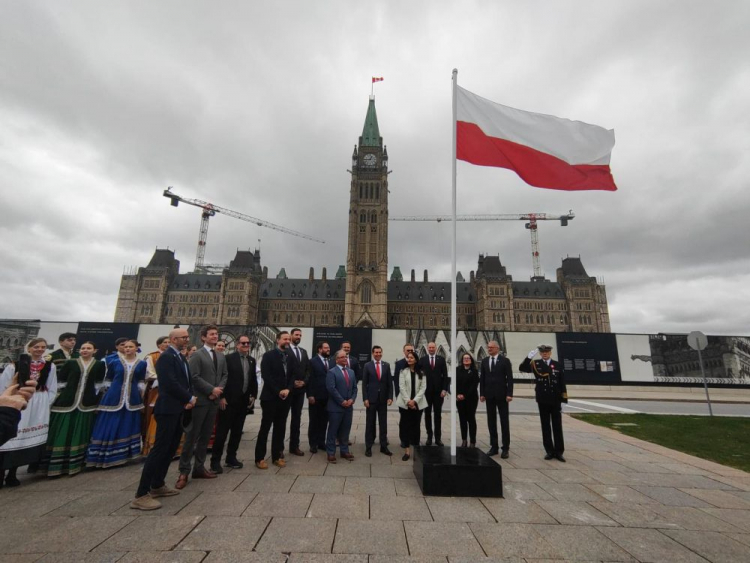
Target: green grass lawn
722	439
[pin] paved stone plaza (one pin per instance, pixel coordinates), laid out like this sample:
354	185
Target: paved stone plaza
617	499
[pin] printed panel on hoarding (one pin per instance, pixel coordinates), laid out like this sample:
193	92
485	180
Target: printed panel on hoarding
589	357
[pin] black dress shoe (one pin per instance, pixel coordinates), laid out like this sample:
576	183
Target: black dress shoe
493	451
216	468
504	455
234	464
405	457
385	450
549	457
368	452
560	458
428	442
439	443
313	449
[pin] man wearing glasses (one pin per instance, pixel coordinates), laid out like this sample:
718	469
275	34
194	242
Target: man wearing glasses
242	385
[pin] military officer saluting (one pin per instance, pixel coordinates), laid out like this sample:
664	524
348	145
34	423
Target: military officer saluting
550	394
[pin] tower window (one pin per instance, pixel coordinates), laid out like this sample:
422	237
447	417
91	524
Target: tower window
366	293
363	217
377	191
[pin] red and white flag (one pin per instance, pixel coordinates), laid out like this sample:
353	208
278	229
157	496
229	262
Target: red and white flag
377	79
545	151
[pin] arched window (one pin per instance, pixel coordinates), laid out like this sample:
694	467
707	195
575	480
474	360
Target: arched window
377	191
363	217
374	217
366	293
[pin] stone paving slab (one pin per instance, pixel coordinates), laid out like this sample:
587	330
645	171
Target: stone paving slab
243	557
292	505
442	538
164	557
345	507
447	509
583	543
713	546
315	484
575	513
83	557
381	537
651	546
225	533
513	540
399	508
143	535
218	504
306	535
517	511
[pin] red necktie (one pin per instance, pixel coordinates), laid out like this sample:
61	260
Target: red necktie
432	362
346	376
377	369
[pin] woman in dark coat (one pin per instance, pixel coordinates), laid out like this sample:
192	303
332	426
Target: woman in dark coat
467	398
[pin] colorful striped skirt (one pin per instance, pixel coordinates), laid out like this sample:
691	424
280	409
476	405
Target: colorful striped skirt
69	437
116	438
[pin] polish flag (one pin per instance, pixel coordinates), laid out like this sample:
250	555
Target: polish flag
545	151
377	79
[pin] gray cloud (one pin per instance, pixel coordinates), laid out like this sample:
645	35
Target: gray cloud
257	107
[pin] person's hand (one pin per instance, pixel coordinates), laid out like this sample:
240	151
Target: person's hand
191	404
311	400
509	399
283	394
12	398
390	402
28	389
459	397
216	391
532	353
443	394
223	404
411	404
367	404
298	384
481	399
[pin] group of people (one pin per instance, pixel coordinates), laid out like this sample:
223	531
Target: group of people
87	412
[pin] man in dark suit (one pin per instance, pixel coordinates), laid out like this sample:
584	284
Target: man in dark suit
299	362
176	399
438	385
351	360
342	392
496	389
398	366
274	400
550	393
317	397
242	384
377	393
208	370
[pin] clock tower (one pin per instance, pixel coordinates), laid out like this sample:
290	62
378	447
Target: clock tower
366	303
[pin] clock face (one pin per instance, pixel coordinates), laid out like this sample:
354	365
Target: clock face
369	160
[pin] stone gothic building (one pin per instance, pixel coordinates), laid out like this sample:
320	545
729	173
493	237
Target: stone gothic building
360	294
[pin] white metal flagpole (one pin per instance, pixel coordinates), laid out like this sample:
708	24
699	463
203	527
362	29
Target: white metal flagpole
453	347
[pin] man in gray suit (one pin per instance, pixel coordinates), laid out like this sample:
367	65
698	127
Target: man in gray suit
208	370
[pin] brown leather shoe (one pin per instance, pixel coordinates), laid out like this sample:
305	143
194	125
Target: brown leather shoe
182	482
205	474
349	457
296	451
261	464
279	463
331	459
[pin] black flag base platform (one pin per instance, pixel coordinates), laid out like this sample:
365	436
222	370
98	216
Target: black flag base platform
472	473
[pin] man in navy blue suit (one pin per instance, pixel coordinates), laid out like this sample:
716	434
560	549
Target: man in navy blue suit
377	393
342	392
317	397
176	399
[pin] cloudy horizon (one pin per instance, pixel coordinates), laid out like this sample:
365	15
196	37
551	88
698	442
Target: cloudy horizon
257	107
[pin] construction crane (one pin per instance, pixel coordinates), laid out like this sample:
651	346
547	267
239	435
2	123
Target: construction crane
209	210
532	219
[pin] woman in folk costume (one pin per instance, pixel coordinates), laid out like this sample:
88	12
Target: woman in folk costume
116	438
73	413
29	445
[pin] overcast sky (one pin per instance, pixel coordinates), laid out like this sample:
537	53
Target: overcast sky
256	106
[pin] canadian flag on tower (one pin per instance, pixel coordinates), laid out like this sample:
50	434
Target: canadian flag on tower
377	79
544	150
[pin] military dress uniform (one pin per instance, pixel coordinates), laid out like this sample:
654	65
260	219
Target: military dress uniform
550	394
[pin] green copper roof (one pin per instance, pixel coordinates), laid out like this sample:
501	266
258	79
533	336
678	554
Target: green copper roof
370	133
397	275
281	275
341	274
